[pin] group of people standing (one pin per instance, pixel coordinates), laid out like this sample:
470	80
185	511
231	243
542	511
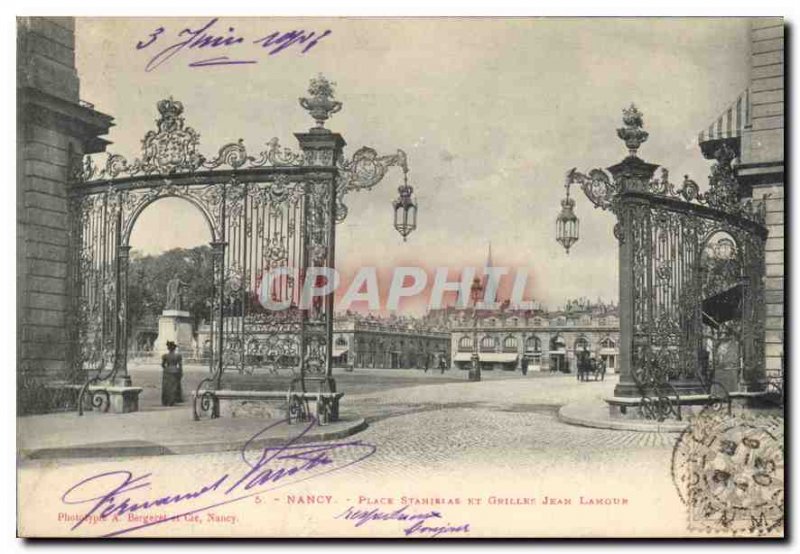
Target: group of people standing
588	364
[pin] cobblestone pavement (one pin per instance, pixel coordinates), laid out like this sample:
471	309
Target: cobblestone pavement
496	438
503	423
148	376
444	424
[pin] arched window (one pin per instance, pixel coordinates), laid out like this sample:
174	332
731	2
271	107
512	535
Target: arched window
341	341
558	343
488	344
510	344
465	343
533	344
582	343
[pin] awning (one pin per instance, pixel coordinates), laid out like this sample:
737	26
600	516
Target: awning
487	357
339	351
722	307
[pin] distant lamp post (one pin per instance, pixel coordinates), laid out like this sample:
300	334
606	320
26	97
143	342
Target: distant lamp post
475	368
567	223
405	208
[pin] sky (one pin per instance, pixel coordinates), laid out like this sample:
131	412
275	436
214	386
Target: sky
491	112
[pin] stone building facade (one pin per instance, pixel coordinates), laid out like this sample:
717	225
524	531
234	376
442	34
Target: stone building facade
389	343
54	128
541	340
753	125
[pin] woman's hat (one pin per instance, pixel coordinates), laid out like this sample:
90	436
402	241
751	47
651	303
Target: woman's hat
171	345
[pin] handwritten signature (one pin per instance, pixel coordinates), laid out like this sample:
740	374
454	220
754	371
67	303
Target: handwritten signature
418	521
208	38
111	494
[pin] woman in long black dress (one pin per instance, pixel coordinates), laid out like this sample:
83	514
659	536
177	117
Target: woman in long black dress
172	365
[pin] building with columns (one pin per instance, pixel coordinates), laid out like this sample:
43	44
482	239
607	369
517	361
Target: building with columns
391	343
540	340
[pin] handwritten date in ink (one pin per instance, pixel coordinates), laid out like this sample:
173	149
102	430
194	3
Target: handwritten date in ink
222	40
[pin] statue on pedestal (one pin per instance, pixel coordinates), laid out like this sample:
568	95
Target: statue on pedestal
175	299
175	323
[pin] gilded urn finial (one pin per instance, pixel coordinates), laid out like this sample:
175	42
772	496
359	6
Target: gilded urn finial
321	105
633	133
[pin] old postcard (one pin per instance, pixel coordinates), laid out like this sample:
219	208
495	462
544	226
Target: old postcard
400	277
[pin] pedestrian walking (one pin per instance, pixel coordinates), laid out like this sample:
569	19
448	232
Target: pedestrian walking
172	373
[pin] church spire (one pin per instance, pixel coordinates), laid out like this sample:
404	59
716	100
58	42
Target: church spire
487	265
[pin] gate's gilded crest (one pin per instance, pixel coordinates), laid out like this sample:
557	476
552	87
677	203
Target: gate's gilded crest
174	146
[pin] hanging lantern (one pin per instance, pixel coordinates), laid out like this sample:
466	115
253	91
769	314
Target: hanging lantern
405	209
567	224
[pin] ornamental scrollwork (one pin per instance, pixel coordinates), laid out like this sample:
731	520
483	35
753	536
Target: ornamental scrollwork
174	148
233	155
598	187
277	156
366	168
362	172
279	216
723	193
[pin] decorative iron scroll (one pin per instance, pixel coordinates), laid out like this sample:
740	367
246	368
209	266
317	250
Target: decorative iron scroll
365	170
724	192
604	192
672	279
276	209
233	155
173	149
677	270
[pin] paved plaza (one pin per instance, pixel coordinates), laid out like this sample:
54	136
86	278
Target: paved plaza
417	417
435	436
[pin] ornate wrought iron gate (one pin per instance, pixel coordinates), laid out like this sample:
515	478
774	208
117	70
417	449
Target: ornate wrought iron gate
274	210
691	272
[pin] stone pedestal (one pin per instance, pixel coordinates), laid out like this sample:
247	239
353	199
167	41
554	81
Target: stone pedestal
175	326
123	400
237	407
111	398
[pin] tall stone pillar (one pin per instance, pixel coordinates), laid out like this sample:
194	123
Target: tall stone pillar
625	386
322	149
631	174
